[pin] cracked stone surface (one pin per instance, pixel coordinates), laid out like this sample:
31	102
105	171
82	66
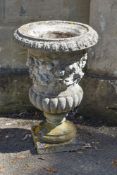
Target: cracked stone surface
97	155
57	53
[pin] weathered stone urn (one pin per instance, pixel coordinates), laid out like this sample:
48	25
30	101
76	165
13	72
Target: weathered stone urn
57	53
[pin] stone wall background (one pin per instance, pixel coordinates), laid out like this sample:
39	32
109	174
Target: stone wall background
100	82
100	87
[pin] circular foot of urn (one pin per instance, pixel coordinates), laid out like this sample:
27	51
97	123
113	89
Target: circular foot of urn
51	133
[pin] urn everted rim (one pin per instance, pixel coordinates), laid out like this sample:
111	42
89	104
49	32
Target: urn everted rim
82	36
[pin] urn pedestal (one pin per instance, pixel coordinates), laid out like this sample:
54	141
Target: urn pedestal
57	54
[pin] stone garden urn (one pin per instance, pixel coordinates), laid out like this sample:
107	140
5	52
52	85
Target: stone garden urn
57	54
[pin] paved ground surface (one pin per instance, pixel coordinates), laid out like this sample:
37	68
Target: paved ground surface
96	156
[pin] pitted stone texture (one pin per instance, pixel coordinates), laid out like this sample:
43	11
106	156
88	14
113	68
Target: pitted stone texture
57	104
58	36
55	74
55	80
56	56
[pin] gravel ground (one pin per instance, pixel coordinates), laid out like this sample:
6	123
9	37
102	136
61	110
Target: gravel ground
96	156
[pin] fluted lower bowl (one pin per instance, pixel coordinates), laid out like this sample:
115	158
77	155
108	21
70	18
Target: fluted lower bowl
58	104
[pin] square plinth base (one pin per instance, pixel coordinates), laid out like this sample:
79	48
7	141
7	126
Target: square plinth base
45	148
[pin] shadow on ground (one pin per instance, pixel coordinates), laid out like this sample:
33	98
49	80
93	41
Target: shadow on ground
73	116
13	140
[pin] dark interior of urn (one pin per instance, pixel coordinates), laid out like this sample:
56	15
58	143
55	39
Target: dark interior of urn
57	34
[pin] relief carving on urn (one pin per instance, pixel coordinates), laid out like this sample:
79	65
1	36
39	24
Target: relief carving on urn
57	54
